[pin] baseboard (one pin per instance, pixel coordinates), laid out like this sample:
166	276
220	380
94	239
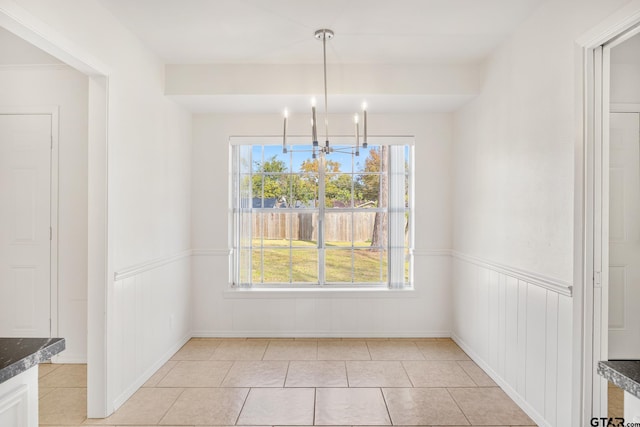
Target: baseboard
513	394
119	401
320	334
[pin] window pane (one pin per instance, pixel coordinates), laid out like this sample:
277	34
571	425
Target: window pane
256	263
338	190
369	265
304	265
245	195
244	265
275	160
379	232
304	190
368	160
305	229
338	228
338	265
363	228
276	265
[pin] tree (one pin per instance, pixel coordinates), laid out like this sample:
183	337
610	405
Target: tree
338	186
269	186
375	188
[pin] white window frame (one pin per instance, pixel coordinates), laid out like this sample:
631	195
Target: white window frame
396	239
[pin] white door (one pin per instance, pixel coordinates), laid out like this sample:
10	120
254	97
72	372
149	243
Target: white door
25	220
624	236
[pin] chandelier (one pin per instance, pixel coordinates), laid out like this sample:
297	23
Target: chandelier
324	35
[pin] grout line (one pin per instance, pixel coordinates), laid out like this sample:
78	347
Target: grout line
466	372
227	373
266	349
404	368
315	398
244	402
454	401
384	399
346	372
284	383
170	406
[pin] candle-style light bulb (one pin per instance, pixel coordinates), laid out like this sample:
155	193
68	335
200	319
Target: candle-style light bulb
284	133
364	114
356	121
314	127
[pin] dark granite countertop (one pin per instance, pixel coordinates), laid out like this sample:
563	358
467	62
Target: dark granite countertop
19	354
623	373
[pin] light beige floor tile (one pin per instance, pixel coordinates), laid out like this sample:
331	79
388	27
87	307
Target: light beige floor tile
484	406
477	374
66	376
43	391
160	374
46	368
196	373
442	350
63	406
343	350
377	374
270	373
207	406
314	373
394	350
615	404
437	373
423	406
197	349
240	350
146	406
278	406
350	406
291	350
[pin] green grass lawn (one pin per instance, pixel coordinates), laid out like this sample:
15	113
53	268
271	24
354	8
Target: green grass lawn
369	266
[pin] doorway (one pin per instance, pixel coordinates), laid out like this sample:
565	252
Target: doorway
18	21
606	173
28	194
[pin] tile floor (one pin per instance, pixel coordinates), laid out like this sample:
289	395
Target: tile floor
301	382
615	396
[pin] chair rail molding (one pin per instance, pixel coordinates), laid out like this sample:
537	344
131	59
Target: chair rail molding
552	284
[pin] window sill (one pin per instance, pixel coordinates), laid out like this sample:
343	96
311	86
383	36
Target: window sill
280	293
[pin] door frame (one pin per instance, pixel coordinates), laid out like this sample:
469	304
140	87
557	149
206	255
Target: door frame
591	196
53	112
22	23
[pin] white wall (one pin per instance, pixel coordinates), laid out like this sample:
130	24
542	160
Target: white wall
60	85
149	139
426	312
513	202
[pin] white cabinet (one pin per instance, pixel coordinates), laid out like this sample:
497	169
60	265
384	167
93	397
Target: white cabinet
19	400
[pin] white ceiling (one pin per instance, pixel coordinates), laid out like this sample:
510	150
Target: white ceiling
281	31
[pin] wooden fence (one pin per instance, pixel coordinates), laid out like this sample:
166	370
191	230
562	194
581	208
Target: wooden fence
339	226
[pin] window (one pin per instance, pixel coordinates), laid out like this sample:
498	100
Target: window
336	220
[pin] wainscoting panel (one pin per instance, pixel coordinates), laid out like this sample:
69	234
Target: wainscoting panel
151	316
519	330
425	311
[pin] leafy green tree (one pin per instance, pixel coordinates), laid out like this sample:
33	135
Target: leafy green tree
274	183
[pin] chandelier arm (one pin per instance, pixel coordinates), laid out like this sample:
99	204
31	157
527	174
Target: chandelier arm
326	105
